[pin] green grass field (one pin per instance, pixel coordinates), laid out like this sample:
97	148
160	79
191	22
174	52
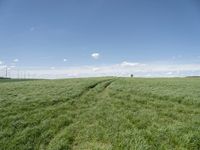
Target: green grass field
100	114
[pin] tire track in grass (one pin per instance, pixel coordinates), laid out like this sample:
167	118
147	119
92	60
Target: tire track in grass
101	89
95	85
65	128
63	133
99	95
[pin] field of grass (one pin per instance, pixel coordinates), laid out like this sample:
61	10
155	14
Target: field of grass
100	114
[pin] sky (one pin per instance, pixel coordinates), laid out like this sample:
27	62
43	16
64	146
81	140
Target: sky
75	38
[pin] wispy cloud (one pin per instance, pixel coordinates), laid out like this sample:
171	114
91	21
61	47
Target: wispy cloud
131	64
178	57
95	55
16	60
2	67
65	60
12	66
32	29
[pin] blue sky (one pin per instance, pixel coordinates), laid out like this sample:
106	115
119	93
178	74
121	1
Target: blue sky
42	33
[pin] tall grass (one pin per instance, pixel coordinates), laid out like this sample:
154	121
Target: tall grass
100	113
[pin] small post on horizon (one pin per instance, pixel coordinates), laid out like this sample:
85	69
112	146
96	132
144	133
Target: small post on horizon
18	76
24	74
6	72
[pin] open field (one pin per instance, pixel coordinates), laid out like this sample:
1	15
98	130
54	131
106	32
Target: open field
100	114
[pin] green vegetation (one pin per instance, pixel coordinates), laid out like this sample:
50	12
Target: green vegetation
100	114
3	78
14	80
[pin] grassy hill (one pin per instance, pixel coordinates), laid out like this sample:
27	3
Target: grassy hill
100	114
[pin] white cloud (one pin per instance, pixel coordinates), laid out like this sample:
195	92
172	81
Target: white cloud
169	73
64	59
95	69
95	55
131	64
16	60
1	62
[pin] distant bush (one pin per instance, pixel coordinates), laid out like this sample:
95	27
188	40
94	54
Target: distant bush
193	77
4	78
